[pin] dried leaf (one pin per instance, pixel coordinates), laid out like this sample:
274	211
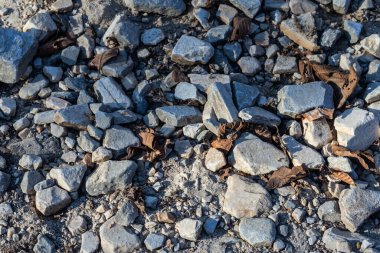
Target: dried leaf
241	27
225	173
342	176
318	113
285	175
54	46
131	152
223	145
366	160
101	59
158	147
179	76
231	127
263	132
344	82
147	138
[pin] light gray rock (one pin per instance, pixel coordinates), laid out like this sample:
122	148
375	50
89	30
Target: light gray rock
44	245
77	225
373	74
372	44
353	29
285	65
52	200
31	89
249	7
169	8
300	7
125	32
245	95
16	52
191	50
42	118
110	92
179	115
204	81
183	148
54	74
249	65
316	133
101	154
56	103
8	106
215	160
29	180
218	34
220	97
356	205
42	25
68	177
260	116
188	91
340	164
119	138
75	116
90	242
244	198
111	176
189	229
87	143
62	6
154	241
258	232
356	129
127	214
30	162
70	55
226	13
295	99
341	6
329	211
152	37
256	157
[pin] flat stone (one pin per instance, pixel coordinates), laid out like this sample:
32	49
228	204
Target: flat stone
52	200
340	164
221	101
256	157
260	116
258	232
188	91
356	205
329	211
125	32
75	116
68	177
244	198
42	25
191	50
152	37
169	8
341	6
301	154
179	115
302	31
249	7
119	139
215	160
372	92
109	91
245	95
285	65
127	214
111	176
204	81
296	99
31	89
353	29
249	66
42	118
154	241
356	129
372	44
189	229
317	133
373	74
16	52
90	242
300	7
62	6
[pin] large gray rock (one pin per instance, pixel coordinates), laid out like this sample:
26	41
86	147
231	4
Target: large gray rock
125	32
259	232
110	92
165	7
256	157
245	95
68	177
356	205
76	116
244	198
249	7
189	229
42	25
52	200
341	6
191	50
16	52
111	176
220	97
119	138
297	99
179	115
204	81
372	44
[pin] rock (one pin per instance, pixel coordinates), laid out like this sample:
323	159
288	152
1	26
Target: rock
220	98
169	8
127	214
70	55
203	82
373	74
62	6
191	50
341	6
316	133
329	211
298	214
187	91
218	34
54	74
249	65
152	37
302	31
125	241
258	232
256	157
56	103
87	143
90	242
295	99
245	95
101	154
232	51
203	16
44	245
125	32
356	129
111	176
183	148
329	37
301	154
300	7
258	115
5	180
30	162
30	90
244	198
42	25
215	160
21	124
75	116
154	241
77	225
356	205
226	13
372	44
29	180
179	115
189	229
110	92
8	106
16	52
353	29
52	200
340	164
249	7
68	177
285	65
119	139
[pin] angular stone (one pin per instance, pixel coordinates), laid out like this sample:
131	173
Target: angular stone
204	81
256	157
44	245
42	25
249	7
232	51
62	6
260	116
189	229
203	16
109	91
245	95
75	116
42	118
296	99
30	162
127	214
191	50
119	139
101	154
353	29
87	143
55	103
29	180
218	34
329	211
16	52
215	160
52	200
188	91
258	232
356	129
341	241
226	13
169	8
285	65
154	241
372	44
317	133
373	74
301	154
179	115
221	101
30	90
8	106
90	242
125	32
152	37
341	6
340	164
111	176
300	7
68	177
244	198
249	65
69	55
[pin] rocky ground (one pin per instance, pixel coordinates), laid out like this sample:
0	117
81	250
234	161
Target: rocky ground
189	126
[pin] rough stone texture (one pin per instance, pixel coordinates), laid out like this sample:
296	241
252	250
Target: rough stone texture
259	115
118	139
215	160
373	74
44	245
249	65
110	92
353	29
127	214
220	97
372	44
52	200
189	229
329	211
29	180
285	65
68	177
111	176
259	232
341	6
300	7
317	133
90	242
356	205
204	81
249	7
42	25
179	115
16	51
191	50
341	241
126	33
372	92
165	7
31	89
295	99
356	129
76	116
244	198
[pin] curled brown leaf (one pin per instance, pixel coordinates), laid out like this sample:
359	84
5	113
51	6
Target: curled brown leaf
286	175
101	59
342	176
366	160
318	113
241	27
54	46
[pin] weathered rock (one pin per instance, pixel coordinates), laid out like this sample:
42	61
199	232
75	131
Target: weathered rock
300	7
125	32
259	115
220	97
285	65
154	241
42	25
165	7
30	162
110	92
90	242
353	29
218	34
77	225
317	133
119	138
204	81
341	6
179	115
342	241
259	232
70	55
127	214
249	65
111	176
189	229
372	44
75	116
29	180
226	13
249	7
152	37
5	180
52	200
8	106
87	143
373	74
68	177
244	198
191	50
30	90
245	95
203	16
215	160
44	245
62	6
188	91
256	157
329	211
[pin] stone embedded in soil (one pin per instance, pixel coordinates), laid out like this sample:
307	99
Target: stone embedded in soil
44	245
75	116
260	116
342	241
249	7
244	198
110	92
125	32
179	115
258	232
371	44
189	229
68	177
190	50
220	97
256	157
169	8
127	214
52	200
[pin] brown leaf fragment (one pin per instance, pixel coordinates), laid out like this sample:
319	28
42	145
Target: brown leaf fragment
231	127
131	152
318	113
366	160
263	132
342	176
285	175
147	138
178	76
241	27
54	46
223	145
101	59
225	173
